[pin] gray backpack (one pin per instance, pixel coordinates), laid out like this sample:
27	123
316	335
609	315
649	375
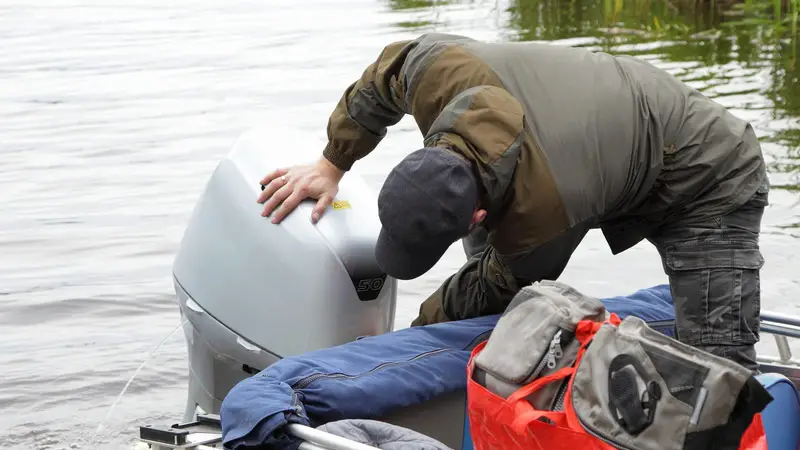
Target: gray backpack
535	337
634	388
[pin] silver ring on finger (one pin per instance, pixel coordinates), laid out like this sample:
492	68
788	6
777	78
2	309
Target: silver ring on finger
285	179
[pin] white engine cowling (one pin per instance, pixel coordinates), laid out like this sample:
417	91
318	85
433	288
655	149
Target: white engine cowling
288	288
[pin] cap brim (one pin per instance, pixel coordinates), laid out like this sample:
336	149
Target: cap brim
398	261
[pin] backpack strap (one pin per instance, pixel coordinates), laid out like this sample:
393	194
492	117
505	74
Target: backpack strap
524	411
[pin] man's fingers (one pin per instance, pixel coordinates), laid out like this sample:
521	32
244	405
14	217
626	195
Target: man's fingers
276	198
272	175
288	205
271	188
320	207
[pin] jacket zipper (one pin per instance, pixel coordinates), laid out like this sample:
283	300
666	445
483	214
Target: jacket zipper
304	382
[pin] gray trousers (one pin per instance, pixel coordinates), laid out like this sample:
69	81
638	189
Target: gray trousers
714	275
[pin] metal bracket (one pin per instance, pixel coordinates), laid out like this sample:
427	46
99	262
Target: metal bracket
204	433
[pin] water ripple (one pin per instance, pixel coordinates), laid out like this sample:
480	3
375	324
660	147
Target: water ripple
115	112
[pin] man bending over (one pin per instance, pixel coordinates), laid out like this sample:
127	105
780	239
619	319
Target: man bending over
527	146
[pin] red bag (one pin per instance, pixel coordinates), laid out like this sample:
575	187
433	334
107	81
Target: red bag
513	424
754	438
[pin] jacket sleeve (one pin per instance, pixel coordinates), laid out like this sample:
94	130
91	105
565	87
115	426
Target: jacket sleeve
488	281
367	108
433	79
484	285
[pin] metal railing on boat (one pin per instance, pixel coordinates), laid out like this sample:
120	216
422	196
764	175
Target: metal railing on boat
206	434
781	327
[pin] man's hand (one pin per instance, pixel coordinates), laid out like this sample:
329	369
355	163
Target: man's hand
295	184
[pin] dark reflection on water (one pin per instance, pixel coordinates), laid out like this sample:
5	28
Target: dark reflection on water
740	51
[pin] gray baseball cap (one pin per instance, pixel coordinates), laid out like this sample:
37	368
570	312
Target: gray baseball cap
425	204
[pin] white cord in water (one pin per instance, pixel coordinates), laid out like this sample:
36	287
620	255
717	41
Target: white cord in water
130	380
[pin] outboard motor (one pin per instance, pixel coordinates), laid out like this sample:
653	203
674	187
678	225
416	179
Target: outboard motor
253	292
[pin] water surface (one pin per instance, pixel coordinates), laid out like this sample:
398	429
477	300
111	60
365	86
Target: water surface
113	114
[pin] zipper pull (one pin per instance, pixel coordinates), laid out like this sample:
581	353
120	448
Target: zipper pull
557	343
555	351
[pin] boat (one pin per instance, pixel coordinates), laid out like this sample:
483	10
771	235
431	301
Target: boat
254	296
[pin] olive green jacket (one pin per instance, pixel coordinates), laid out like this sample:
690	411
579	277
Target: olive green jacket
565	139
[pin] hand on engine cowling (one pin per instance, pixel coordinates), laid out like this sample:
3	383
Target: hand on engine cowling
289	186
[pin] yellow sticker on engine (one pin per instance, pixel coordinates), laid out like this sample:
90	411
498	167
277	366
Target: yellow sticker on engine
341	204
